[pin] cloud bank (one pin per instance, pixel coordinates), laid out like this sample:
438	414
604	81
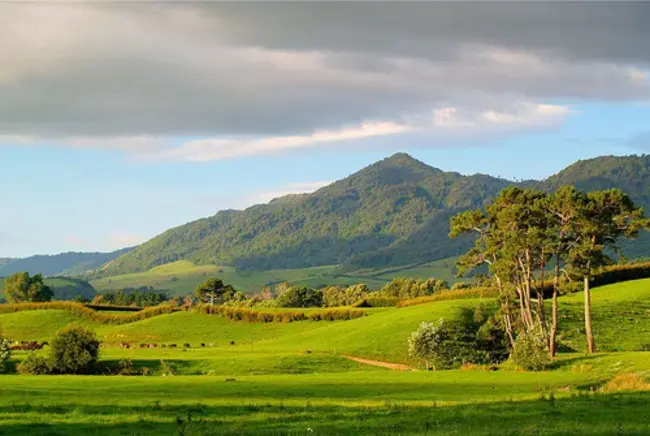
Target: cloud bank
243	79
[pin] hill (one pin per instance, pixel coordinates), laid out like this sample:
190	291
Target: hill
65	288
71	263
392	213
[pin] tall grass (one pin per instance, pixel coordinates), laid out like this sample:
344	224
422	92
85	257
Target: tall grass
251	315
459	294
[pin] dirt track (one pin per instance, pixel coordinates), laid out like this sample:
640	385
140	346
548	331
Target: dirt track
393	366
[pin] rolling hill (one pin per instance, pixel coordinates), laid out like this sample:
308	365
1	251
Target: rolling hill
392	213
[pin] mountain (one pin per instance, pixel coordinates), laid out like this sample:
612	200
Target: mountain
59	264
394	212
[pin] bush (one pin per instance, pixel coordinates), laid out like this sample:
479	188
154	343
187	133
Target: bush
250	315
5	353
74	350
35	365
530	351
460	285
445	344
21	287
336	296
300	296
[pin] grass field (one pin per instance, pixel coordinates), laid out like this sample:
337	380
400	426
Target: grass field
182	277
293	379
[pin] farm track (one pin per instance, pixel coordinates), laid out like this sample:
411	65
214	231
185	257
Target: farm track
393	366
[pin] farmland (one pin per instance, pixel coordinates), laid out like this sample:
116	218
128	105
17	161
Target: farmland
282	378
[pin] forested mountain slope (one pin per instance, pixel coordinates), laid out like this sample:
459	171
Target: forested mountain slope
58	264
394	212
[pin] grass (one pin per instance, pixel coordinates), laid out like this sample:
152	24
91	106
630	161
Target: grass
182	277
279	379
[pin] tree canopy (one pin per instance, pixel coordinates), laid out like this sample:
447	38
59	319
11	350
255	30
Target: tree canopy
22	288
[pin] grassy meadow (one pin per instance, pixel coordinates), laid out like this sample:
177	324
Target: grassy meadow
182	277
294	378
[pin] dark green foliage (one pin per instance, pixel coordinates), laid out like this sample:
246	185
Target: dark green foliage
413	288
300	296
35	364
64	288
214	291
21	288
140	297
74	350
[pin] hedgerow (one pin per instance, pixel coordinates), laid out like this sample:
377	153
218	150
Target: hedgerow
82	311
251	315
482	292
372	301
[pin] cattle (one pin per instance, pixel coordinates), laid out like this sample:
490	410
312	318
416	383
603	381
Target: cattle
232	342
202	345
144	346
172	345
187	346
163	346
125	345
153	345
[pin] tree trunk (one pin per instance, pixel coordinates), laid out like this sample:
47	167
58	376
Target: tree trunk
556	285
591	344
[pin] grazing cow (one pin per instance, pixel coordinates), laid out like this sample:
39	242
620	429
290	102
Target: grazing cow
144	346
202	345
232	342
125	345
163	346
172	345
231	379
187	346
153	345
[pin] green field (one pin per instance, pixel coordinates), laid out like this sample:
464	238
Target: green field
182	277
288	378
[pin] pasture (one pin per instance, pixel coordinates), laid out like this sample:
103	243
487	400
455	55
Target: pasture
294	378
182	277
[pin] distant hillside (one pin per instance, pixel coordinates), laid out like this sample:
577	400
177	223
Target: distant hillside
65	288
394	212
59	264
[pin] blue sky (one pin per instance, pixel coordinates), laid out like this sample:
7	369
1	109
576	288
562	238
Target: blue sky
117	123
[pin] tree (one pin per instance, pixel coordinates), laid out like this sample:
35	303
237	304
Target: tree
603	219
300	296
21	288
74	350
214	291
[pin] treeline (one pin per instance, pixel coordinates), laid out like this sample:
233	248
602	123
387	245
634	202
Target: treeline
144	296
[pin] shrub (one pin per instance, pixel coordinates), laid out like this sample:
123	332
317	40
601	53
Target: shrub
335	296
530	351
74	350
5	353
460	285
300	296
250	315
21	287
34	365
445	344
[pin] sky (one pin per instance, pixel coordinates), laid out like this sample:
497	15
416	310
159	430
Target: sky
119	120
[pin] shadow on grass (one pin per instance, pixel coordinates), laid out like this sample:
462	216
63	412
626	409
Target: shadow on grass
594	415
